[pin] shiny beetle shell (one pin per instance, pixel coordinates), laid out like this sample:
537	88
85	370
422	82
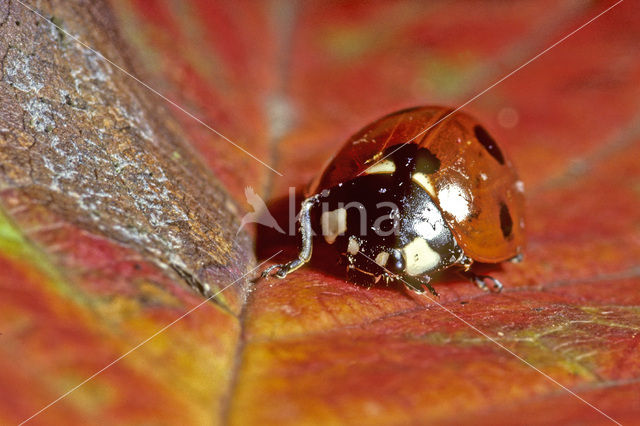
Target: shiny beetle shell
476	186
452	196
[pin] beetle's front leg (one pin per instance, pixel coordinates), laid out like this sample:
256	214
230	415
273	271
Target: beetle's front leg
306	232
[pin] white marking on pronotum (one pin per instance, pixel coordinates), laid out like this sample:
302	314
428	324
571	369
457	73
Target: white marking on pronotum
419	257
519	186
455	201
425	182
431	224
386	166
382	258
333	224
353	247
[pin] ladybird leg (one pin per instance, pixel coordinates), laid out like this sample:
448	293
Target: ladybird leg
417	285
281	270
350	273
497	285
517	258
481	281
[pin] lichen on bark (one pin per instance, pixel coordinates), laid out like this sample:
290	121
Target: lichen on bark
83	142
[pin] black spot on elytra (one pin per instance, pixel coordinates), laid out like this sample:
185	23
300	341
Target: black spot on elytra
489	143
506	223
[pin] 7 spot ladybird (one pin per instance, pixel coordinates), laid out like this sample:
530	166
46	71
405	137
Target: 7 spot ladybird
445	194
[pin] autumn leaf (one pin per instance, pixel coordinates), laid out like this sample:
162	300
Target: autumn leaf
120	209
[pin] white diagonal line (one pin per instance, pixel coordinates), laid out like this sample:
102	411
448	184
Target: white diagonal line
497	82
477	330
150	88
142	343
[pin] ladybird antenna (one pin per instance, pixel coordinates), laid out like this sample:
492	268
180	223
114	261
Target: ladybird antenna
306	234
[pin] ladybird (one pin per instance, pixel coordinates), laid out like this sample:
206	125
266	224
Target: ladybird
416	192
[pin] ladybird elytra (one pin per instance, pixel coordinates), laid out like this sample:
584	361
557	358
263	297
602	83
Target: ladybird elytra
415	192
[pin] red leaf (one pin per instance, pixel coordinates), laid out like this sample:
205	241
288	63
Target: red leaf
104	192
